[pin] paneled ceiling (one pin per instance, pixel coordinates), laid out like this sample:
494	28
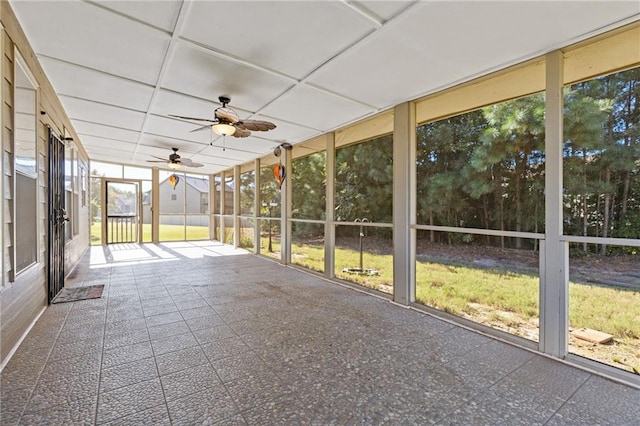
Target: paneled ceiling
121	67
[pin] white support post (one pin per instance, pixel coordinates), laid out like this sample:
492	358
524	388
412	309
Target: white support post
404	202
285	210
554	284
212	200
155	205
256	207
222	201
329	228
236	207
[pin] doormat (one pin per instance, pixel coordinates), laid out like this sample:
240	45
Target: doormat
79	293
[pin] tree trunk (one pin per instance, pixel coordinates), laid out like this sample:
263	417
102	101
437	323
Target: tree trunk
607	203
585	204
432	234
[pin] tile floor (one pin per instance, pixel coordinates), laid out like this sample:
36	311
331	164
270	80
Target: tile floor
200	333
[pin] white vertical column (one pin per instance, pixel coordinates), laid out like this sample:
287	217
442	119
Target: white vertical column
554	280
236	206
256	207
155	205
404	202
222	201
285	210
212	200
329	228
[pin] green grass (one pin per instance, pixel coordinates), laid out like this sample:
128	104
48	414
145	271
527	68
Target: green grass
167	233
453	288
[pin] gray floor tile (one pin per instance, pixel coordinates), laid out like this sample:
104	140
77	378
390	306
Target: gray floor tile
188	381
84	364
221	344
204	407
77	412
166	330
285	410
225	348
56	389
239	365
126	354
180	360
129	400
253	390
127	338
603	398
160	309
173	343
156	416
164	319
128	374
207	321
12	403
214	334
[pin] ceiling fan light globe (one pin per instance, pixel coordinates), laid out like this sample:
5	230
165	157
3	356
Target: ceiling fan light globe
174	166
223	129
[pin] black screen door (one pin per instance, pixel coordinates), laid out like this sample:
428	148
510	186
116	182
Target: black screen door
57	216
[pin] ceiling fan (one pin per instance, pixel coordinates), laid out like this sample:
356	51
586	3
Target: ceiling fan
175	161
226	122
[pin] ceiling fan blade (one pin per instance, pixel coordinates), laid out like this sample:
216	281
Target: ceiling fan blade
257	125
159	158
206	126
187	162
224	113
241	132
156	161
182	117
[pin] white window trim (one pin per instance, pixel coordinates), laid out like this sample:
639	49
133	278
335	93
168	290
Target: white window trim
18	61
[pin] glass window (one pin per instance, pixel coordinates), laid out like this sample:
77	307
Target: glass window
172	206
197	207
228	195
484	169
26	169
601	190
364	181
602	157
106	170
247	193
308	185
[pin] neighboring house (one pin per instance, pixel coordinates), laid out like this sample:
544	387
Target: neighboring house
172	201
125	206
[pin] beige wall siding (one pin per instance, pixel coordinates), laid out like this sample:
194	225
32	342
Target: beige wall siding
23	297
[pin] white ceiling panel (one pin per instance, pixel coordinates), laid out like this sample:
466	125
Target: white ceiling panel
80	33
109	155
171	127
314	108
291	37
309	67
102	114
162	14
122	147
195	71
158	144
93	85
100	130
167	103
384	9
438	43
